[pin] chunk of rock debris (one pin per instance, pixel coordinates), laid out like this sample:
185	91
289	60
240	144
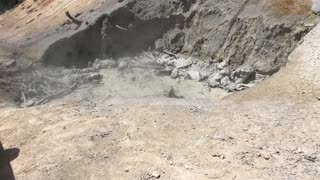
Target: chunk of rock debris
225	72
214	80
243	73
182	62
174	74
7	63
195	75
311	158
107	63
103	64
95	76
225	81
30	103
123	65
156	174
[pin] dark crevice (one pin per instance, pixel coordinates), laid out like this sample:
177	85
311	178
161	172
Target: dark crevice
8	4
85	46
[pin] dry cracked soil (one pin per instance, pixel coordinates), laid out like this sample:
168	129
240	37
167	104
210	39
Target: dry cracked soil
191	89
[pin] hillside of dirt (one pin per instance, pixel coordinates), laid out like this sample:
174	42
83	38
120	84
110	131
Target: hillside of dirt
159	89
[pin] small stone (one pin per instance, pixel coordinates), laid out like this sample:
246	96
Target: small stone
309	25
30	103
195	75
107	63
244	74
123	65
77	14
225	72
8	63
222	65
183	63
174	74
156	174
266	157
225	81
311	158
95	76
126	170
214	80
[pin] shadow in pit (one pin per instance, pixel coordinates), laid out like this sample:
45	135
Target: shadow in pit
6	172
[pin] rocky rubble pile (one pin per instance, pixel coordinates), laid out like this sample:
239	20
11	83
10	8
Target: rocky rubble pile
183	67
215	74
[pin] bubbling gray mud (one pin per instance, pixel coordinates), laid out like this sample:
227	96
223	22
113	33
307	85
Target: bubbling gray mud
149	74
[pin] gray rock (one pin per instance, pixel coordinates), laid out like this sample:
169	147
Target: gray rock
183	74
165	60
241	87
204	74
30	103
156	174
107	63
194	75
7	63
95	76
245	71
225	81
214	80
243	74
222	65
225	72
184	62
174	74
230	87
123	65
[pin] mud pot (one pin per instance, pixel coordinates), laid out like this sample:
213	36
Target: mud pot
188	49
